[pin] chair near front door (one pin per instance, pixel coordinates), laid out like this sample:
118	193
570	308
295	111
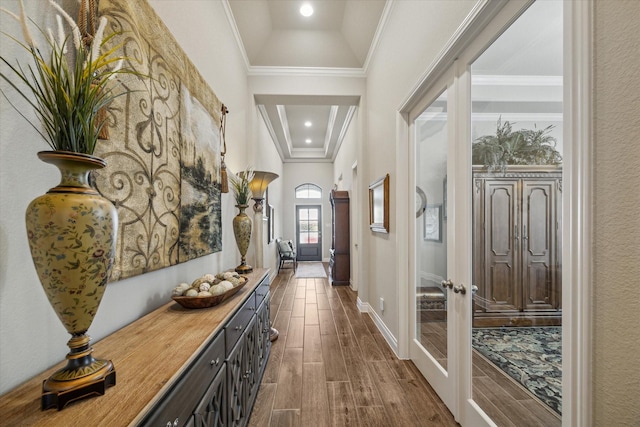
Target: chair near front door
286	253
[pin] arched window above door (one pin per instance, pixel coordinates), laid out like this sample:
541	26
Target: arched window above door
308	191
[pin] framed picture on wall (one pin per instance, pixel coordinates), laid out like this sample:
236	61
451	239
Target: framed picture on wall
270	225
433	223
379	205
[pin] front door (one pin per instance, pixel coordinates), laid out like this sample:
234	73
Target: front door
308	235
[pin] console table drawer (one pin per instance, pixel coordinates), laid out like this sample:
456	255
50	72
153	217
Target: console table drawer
234	328
261	292
185	395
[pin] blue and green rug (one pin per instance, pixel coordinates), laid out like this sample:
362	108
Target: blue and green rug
532	356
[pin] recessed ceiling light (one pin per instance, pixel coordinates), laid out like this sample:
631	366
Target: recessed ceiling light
308	141
307	124
306	10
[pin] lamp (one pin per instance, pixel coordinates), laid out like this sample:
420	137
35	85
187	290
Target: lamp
258	186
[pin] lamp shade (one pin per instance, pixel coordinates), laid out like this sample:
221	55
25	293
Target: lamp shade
259	183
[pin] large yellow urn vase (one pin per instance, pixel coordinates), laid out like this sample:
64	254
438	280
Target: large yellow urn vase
71	231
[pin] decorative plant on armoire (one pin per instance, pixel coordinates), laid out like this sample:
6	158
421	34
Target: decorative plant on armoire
521	147
72	228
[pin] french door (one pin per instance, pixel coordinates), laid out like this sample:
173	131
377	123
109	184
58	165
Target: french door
308	235
507	81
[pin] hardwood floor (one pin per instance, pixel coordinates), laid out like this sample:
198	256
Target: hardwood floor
331	366
507	402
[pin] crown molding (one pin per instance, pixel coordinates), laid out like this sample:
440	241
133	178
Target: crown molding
382	23
236	32
267	71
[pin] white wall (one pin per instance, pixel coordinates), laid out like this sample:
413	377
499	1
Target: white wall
616	249
264	157
347	155
31	337
414	34
295	174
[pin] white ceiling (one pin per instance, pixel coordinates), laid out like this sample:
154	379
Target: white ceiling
339	35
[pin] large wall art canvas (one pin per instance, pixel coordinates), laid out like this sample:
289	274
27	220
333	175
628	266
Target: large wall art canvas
163	152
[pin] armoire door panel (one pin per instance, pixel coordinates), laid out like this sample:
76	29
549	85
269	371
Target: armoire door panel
539	293
502	268
537	214
538	256
501	292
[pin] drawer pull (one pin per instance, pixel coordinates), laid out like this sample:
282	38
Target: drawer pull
251	308
215	362
238	328
260	295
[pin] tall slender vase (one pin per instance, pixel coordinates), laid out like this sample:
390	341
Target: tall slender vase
242	233
71	231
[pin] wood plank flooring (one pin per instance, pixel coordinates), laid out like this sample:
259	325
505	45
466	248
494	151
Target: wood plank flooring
331	367
507	402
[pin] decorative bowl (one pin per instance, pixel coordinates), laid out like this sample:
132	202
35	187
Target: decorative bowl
204	302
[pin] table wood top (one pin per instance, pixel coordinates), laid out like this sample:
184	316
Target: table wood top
149	355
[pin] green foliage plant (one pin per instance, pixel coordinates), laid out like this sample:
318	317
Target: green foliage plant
521	147
66	87
240	186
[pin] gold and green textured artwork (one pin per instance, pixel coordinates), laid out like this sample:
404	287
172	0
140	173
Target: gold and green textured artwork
163	154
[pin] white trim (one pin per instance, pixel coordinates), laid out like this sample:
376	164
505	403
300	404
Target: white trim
284	123
404	193
343	131
272	132
384	18
364	307
267	71
536	81
333	112
577	209
236	32
474	22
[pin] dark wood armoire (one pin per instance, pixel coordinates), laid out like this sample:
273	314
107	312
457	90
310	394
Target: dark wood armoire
517	246
340	255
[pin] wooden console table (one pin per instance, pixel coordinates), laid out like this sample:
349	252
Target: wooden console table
174	367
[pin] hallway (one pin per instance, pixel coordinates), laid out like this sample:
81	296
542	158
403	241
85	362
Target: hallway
331	366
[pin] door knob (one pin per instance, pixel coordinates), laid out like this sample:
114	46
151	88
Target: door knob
446	283
460	289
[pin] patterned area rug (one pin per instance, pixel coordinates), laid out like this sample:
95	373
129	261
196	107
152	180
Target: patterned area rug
532	356
310	270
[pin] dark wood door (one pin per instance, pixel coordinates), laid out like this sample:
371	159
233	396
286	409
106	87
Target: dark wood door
501	237
308	232
539	225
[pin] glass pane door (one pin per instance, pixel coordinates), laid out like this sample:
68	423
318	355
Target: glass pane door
309	243
516	144
430	348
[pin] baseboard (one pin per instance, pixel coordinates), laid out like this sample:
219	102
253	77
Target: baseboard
364	307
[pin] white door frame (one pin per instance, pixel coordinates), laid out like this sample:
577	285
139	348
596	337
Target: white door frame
577	192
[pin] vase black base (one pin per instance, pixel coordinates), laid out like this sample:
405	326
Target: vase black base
60	399
244	269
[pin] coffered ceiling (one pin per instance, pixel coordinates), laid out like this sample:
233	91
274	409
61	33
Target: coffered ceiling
338	37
